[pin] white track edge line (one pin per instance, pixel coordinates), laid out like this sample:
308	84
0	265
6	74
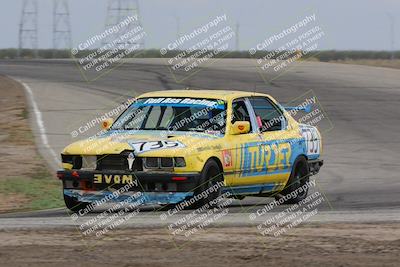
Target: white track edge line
40	123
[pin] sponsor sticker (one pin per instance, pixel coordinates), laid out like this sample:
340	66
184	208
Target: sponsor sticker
112	179
227	158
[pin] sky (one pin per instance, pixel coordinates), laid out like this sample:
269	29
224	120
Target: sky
347	24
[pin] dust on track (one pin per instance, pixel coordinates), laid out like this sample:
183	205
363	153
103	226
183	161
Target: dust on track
308	245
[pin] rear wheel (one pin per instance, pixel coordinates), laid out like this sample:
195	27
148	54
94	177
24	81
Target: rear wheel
73	204
293	192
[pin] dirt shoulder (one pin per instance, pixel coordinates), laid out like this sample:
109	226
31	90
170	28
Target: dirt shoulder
385	63
307	245
25	182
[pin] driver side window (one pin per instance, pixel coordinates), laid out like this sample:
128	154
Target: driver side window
240	112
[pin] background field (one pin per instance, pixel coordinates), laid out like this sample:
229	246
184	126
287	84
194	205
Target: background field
25	181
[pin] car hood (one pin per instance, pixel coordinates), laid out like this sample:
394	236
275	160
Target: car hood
143	141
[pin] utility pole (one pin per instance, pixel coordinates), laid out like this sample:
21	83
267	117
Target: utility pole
28	28
392	37
117	11
178	27
61	26
237	37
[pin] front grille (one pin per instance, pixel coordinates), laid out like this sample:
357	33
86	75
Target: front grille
112	162
120	162
117	162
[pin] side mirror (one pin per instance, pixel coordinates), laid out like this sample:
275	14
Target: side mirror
240	127
106	124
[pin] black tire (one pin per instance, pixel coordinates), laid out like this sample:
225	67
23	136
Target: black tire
298	177
210	176
238	197
74	205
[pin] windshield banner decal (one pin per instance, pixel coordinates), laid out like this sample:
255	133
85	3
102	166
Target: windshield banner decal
183	102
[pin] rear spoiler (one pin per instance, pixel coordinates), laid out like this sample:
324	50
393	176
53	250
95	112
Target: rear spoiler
307	108
298	108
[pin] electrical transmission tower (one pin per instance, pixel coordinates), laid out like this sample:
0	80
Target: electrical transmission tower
392	36
118	11
28	27
237	37
178	27
61	26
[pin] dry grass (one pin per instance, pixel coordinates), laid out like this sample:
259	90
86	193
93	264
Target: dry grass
20	164
386	63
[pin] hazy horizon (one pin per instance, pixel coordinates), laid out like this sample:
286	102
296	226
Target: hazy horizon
348	25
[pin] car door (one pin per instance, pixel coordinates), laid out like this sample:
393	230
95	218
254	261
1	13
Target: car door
272	125
247	152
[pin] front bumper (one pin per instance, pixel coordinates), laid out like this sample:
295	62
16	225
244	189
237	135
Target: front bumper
165	182
142	187
130	197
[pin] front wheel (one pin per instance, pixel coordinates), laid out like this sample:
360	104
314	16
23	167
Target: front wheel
209	187
294	192
73	204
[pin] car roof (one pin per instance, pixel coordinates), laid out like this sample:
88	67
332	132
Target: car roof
210	94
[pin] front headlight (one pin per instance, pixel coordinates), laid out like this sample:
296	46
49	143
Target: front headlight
89	162
163	162
75	161
151	163
179	162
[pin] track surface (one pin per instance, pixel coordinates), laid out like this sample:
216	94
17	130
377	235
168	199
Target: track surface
361	170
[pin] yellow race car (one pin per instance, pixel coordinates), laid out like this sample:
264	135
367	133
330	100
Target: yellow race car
189	147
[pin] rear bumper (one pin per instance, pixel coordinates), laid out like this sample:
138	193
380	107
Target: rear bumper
315	165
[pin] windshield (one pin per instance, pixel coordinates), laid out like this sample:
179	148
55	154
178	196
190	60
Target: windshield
174	114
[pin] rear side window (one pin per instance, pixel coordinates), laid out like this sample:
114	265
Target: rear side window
269	117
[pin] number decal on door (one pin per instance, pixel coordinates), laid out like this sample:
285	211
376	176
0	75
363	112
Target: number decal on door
312	140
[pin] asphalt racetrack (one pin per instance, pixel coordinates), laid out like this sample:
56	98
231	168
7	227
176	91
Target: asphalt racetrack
360	177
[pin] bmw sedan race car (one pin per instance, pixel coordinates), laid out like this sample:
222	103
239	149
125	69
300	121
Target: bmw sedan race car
190	147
